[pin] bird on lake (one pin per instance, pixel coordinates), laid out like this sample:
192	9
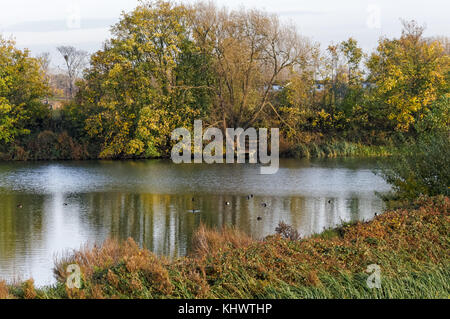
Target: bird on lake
194	211
329	202
259	218
20	206
264	205
227	203
65	204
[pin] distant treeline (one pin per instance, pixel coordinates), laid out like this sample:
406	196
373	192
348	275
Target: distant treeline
168	64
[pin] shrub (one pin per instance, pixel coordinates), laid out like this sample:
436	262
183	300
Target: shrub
287	231
44	146
4	291
52	146
421	167
29	292
17	153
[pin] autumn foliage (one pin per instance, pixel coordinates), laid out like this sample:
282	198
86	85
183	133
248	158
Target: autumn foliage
167	64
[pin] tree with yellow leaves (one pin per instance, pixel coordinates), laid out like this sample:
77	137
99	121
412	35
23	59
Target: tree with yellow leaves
409	73
139	87
22	89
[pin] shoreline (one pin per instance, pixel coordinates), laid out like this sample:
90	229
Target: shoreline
340	149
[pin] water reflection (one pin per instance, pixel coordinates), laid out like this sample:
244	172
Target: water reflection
65	205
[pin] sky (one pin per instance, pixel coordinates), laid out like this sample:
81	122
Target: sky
43	25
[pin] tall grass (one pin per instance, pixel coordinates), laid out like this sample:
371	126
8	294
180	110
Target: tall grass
206	241
4	291
336	148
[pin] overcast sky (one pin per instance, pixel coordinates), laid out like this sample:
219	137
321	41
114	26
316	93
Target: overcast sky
42	25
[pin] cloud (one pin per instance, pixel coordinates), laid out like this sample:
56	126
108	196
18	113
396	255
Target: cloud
57	25
300	12
64	37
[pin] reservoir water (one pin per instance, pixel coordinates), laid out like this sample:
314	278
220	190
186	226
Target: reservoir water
48	208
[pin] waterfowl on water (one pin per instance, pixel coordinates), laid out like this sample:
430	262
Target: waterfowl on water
20	206
259	218
264	205
329	202
227	203
65	204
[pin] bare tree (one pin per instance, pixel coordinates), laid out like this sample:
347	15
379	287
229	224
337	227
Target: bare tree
444	41
76	62
252	53
44	62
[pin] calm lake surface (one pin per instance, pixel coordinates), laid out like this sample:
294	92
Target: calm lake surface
68	204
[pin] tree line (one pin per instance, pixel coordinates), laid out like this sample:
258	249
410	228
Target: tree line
168	64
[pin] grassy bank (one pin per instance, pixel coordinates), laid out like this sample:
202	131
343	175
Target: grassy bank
50	146
410	244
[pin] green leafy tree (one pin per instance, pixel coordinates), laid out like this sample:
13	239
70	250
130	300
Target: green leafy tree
22	88
143	84
353	56
422	163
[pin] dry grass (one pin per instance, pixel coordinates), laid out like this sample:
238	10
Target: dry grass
29	292
207	241
4	291
99	262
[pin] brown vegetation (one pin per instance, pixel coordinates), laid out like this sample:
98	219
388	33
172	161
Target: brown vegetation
4	291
